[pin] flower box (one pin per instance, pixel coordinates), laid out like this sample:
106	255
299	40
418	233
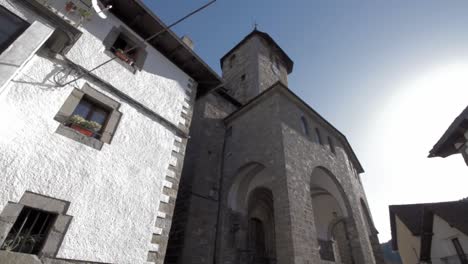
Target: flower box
121	55
83	131
83	126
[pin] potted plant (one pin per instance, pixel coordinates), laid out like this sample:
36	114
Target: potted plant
121	55
70	7
85	15
83	126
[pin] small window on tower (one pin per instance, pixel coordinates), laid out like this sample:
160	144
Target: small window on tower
232	60
243	77
332	145
305	126
318	136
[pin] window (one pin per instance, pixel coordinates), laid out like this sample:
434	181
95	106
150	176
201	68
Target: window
232	60
318	136
126	47
89	117
331	144
11	27
36	224
229	131
29	231
461	254
305	126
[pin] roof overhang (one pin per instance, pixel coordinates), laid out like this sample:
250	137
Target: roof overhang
137	16
453	135
282	88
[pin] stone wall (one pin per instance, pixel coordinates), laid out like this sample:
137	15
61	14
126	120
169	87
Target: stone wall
252	68
194	224
303	154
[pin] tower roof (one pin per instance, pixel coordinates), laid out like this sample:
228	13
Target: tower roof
288	62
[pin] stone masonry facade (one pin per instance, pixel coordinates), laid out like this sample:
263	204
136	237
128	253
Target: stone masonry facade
254	155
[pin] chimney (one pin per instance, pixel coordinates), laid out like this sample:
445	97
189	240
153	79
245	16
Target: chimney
188	42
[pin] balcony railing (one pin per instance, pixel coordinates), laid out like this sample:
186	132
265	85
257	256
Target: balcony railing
326	250
455	259
74	12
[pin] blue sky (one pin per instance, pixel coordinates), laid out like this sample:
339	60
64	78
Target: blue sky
391	75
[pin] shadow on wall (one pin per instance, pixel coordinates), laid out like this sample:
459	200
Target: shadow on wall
51	81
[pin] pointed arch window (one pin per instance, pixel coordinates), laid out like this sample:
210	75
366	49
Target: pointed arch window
318	136
332	145
305	125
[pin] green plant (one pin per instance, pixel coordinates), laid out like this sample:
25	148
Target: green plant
80	121
25	238
84	13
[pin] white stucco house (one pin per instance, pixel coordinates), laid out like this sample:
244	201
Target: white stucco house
90	149
431	233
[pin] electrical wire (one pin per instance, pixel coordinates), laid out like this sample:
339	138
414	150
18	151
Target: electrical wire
166	28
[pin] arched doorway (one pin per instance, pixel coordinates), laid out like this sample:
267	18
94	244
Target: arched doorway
261	233
332	218
250	201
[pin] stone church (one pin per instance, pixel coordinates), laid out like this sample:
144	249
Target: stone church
266	179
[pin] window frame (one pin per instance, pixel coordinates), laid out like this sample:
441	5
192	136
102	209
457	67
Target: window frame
140	45
46	228
93	107
68	108
4	46
58	228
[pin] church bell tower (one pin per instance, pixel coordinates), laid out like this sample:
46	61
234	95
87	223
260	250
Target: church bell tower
253	65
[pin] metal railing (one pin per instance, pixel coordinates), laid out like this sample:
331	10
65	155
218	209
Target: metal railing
326	250
29	232
74	12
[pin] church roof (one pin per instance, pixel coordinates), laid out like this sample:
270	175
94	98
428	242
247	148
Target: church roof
288	62
280	85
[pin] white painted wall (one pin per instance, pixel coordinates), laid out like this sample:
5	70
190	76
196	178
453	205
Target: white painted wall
115	192
409	246
442	245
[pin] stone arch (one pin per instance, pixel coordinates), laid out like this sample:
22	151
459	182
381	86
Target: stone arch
250	202
246	178
334	220
372	232
261	228
367	219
